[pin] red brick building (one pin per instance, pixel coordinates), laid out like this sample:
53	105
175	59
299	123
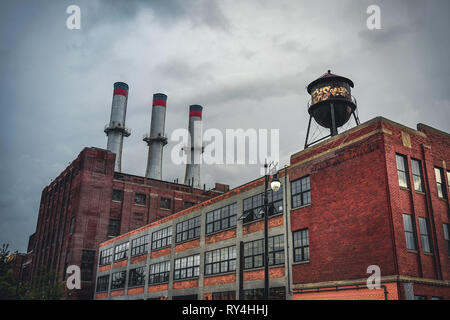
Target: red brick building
89	203
375	195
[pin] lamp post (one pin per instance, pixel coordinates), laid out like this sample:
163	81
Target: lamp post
275	186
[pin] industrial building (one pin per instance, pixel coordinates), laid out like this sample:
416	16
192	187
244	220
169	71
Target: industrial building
92	200
374	195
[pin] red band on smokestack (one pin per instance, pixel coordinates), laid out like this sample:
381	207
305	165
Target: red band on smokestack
195	113
159	102
119	91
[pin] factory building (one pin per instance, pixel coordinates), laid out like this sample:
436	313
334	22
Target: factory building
92	200
374	197
376	194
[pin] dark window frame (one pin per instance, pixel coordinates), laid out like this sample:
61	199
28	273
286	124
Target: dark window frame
188	230
159	272
113	227
87	265
221	260
184	270
139	245
301	247
106	256
165	203
417	175
440	182
301	192
118	282
221	219
253	207
102	285
162	238
410	233
140	199
117	195
254	253
424	230
224	295
136	277
402	173
446	227
121	251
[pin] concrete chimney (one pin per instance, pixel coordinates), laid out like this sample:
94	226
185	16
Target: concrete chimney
194	149
116	129
156	140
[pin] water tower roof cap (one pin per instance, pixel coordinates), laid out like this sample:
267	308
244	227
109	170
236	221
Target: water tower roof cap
327	76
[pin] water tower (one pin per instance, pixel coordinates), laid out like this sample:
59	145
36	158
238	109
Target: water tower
331	104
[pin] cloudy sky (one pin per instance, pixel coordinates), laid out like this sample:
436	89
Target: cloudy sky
247	62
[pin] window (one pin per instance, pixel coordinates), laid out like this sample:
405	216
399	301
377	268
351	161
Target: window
117	195
72	225
120	252
139	198
136	277
113	227
226	295
447	236
162	238
102	283
221	219
448	180
301	245
402	171
187	267
187	230
188	204
118	280
87	265
106	256
220	260
409	232
417	297
417	175
159	272
139	245
439	182
437	298
254	206
186	297
424	235
165	203
254	252
258	294
301	192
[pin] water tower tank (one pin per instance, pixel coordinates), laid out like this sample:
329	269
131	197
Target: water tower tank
332	103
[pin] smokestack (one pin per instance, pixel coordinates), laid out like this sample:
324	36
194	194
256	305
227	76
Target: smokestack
116	129
195	146
156	140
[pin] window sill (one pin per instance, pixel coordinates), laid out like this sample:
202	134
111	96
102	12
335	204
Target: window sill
139	205
420	192
115	261
157	283
139	254
117	201
442	199
300	262
428	254
411	251
117	289
165	209
136	286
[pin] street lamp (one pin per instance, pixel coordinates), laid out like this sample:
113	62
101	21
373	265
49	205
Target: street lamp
275	186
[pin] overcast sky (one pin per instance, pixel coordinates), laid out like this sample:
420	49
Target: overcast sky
246	62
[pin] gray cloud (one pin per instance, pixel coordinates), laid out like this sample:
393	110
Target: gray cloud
246	62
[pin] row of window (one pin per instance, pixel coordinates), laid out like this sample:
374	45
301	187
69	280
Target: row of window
217	261
424	232
417	175
140	199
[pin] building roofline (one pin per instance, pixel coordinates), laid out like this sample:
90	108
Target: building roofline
421	126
